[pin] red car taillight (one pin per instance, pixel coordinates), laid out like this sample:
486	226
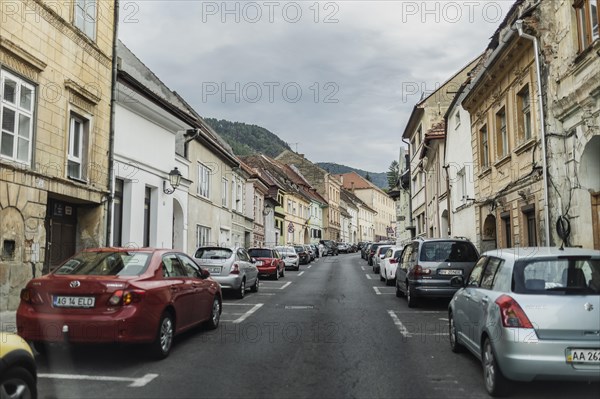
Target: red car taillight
421	271
393	261
235	269
126	297
29	295
512	314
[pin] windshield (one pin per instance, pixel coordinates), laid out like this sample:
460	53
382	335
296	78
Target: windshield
213	253
260	253
448	251
558	276
106	264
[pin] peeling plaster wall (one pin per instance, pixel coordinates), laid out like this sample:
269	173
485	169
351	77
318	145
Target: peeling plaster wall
572	87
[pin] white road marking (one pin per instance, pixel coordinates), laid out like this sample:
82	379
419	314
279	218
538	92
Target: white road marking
135	382
248	313
296	307
377	290
267	294
363	268
238	304
368	276
308	267
399	324
276	288
300	274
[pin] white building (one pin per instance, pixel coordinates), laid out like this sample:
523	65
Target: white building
148	117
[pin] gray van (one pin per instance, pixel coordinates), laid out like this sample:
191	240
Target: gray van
428	264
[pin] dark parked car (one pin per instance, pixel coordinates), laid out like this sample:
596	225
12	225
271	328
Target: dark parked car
331	247
427	266
302	254
119	295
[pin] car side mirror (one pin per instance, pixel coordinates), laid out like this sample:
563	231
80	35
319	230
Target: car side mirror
204	273
253	260
457	282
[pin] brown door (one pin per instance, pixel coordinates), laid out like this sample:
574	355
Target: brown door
596	219
63	229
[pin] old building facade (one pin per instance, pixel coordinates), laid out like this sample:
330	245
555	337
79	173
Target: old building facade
507	144
569	41
56	73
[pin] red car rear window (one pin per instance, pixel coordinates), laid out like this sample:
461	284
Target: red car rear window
106	264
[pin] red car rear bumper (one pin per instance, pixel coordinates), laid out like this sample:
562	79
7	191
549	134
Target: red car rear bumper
129	325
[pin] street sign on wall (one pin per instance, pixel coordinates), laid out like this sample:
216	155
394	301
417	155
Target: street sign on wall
291	227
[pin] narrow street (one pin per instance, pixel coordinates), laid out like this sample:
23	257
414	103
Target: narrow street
331	330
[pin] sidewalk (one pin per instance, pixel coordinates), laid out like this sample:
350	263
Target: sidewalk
8	322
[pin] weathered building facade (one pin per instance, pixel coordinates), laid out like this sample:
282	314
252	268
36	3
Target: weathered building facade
507	142
570	43
56	72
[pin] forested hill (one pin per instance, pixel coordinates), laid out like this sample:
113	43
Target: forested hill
252	139
248	139
379	179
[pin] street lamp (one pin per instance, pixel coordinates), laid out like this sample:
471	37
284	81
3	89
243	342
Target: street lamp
174	180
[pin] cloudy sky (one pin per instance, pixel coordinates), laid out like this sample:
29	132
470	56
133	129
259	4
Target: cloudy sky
336	80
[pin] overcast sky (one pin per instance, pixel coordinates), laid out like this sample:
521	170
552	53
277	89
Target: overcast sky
336	80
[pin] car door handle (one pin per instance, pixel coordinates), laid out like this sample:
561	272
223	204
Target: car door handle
484	300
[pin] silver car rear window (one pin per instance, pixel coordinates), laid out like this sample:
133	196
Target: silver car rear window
213	253
577	276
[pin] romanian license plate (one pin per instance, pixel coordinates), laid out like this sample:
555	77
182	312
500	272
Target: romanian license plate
450	272
73	301
259	263
214	270
586	356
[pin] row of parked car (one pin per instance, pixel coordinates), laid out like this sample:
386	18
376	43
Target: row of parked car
526	313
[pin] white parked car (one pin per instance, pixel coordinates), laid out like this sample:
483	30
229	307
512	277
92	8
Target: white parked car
290	257
378	256
389	264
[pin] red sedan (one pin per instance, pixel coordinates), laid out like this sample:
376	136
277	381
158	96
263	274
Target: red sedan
268	262
122	295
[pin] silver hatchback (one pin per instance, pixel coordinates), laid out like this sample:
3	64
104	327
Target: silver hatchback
530	314
231	267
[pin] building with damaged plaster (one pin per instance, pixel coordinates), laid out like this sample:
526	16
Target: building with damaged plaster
56	73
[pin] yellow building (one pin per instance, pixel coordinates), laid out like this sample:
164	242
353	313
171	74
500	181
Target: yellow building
56	74
506	145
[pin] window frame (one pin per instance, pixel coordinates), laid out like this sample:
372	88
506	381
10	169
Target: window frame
202	235
585	29
524	120
224	184
81	158
484	142
203	186
502	145
83	20
19	111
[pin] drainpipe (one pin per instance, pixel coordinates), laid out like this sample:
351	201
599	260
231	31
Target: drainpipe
111	139
519	26
410	215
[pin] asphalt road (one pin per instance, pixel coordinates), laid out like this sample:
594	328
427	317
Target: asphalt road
331	330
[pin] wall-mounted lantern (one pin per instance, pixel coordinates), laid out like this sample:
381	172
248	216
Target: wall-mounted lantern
174	180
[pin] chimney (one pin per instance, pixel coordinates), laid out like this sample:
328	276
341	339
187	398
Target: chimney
352	186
